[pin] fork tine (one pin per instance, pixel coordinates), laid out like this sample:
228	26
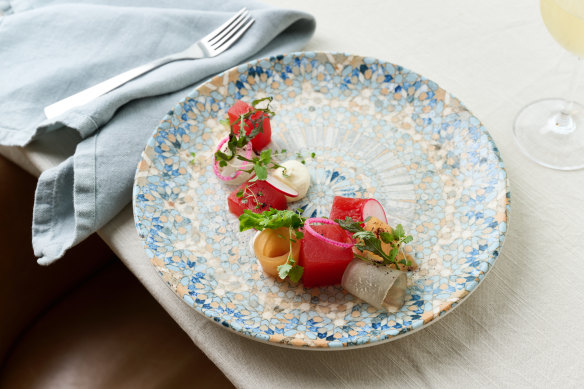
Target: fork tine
222	27
234	35
234	23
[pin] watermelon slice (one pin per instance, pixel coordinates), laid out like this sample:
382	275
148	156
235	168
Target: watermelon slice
356	209
257	196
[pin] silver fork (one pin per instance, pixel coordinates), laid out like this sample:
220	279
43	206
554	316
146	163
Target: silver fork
211	45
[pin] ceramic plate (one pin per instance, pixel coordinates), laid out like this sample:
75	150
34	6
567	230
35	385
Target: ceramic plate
377	130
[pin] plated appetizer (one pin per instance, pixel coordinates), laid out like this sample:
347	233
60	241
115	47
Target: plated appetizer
354	246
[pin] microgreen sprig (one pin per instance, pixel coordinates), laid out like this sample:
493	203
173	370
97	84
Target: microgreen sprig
368	241
261	165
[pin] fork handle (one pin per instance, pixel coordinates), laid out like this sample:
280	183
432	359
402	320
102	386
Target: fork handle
85	96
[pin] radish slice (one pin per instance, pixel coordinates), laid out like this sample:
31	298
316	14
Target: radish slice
236	169
356	209
296	175
373	208
311	231
281	187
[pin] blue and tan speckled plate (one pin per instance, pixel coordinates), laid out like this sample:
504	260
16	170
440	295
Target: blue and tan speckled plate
377	130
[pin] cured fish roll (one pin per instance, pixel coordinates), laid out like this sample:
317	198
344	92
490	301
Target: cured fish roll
381	287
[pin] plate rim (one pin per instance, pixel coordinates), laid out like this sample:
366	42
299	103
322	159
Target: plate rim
445	308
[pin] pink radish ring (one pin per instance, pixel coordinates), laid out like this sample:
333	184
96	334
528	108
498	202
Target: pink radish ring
216	168
310	230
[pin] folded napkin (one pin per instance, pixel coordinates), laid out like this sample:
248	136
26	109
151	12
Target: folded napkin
52	49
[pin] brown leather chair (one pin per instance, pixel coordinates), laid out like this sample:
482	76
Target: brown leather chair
84	322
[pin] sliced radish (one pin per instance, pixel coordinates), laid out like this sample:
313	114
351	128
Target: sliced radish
234	169
320	220
356	209
373	208
281	187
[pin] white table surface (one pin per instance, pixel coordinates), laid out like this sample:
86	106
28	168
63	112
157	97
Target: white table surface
523	326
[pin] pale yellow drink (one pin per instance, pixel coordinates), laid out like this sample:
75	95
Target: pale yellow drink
565	21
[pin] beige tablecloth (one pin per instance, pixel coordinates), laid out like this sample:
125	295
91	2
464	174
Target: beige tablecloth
522	326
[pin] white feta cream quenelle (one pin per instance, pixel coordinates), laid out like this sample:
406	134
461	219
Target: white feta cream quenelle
296	176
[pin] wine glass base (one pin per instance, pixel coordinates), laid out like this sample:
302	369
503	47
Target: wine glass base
550	139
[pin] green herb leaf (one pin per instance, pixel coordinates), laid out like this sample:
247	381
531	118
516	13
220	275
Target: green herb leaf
393	253
364	235
260	171
266	156
295	273
284	270
386	237
271	219
368	241
350	225
399	232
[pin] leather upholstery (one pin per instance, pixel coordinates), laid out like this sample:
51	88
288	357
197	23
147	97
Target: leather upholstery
27	289
84	322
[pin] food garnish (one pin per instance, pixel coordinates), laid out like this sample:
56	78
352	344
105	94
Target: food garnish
274	219
261	165
295	175
356	209
369	241
247	127
257	196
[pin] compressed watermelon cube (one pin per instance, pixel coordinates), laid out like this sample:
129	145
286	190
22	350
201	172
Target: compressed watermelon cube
262	139
257	196
323	262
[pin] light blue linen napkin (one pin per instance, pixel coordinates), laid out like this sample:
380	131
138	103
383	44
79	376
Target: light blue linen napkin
50	50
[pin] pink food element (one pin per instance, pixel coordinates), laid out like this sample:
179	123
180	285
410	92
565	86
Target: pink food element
281	187
257	196
335	242
356	209
235	171
325	253
234	113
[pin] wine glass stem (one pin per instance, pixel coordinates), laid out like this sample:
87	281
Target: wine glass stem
564	122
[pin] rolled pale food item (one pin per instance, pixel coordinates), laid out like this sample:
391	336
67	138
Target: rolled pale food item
380	286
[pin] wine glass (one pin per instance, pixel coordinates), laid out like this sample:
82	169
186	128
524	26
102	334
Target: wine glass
551	131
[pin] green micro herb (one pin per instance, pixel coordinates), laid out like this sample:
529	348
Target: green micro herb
273	219
261	165
302	158
237	141
368	241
